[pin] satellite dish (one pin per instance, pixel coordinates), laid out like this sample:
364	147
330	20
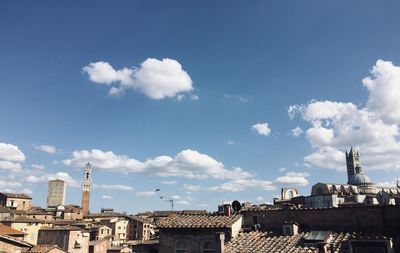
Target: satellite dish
236	206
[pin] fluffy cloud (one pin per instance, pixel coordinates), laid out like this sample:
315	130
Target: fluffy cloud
10	157
261	129
47	148
374	128
118	187
70	181
155	78
293	178
187	163
107	197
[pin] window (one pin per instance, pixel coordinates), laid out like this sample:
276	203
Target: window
255	219
180	247
209	247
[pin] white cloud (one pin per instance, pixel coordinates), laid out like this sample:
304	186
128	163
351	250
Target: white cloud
9	152
118	187
187	163
145	194
192	188
11	157
70	181
107	197
38	167
297	131
238	185
155	78
297	178
374	129
168	182
176	197
182	202
9	184
261	129
11	166
47	148
282	169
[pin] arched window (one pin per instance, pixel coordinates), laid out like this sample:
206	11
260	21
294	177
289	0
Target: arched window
180	247
208	247
290	194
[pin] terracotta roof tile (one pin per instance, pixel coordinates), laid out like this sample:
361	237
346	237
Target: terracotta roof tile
16	195
43	248
6	230
198	221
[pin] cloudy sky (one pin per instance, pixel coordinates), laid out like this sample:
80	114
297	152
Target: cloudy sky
207	101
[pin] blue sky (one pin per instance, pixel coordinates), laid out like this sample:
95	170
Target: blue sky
201	97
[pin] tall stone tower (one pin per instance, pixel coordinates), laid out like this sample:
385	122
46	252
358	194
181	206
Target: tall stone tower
56	193
353	164
87	182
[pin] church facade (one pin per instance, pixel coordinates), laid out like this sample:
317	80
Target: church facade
359	190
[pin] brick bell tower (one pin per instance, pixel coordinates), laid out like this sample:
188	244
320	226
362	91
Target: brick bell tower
87	182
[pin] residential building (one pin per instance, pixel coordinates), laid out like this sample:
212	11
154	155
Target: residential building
12	240
197	233
9	244
69	238
141	228
56	193
16	201
27	225
4	212
99	246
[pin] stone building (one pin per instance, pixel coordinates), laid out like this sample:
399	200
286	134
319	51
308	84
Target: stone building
12	240
27	225
56	193
141	228
9	244
69	238
197	233
16	201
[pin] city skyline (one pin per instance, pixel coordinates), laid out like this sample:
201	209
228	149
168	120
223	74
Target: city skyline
207	102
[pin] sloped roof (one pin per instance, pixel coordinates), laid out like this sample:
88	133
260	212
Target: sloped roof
247	242
261	242
44	248
6	230
16	195
198	221
22	219
14	240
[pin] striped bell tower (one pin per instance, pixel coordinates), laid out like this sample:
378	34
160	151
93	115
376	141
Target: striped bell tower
86	184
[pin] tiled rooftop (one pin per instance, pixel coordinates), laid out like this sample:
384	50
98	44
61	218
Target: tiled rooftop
261	242
247	242
43	248
6	230
16	195
198	221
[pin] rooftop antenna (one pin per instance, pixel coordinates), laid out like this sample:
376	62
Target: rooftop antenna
162	197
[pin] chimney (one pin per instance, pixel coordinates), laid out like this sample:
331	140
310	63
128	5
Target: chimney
290	228
220	239
227	209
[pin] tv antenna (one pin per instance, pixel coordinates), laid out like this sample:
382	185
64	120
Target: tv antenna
162	197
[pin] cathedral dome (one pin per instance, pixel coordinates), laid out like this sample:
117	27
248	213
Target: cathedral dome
360	179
